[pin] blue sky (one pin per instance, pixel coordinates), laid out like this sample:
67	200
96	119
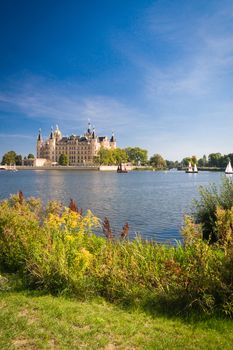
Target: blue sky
157	73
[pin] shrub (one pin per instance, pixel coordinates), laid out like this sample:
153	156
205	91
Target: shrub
205	208
54	249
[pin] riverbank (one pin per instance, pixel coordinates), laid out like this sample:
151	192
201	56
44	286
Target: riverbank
112	168
53	248
204	169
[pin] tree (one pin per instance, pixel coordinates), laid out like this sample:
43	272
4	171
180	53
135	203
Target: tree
202	161
63	159
214	159
193	160
171	164
205	161
136	155
158	162
111	156
18	159
31	156
185	161
119	156
9	158
104	157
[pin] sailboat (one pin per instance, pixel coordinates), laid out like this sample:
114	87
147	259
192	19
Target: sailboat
229	169
14	168
195	168
120	169
190	169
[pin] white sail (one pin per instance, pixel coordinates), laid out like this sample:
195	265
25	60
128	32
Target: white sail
195	168
190	169
229	168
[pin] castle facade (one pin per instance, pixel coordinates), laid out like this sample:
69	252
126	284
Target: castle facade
80	150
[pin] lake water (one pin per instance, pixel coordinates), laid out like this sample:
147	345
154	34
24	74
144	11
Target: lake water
153	203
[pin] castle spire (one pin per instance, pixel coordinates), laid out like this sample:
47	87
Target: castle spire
39	138
113	139
93	132
89	127
51	134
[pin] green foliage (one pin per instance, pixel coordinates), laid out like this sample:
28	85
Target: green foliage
31	156
171	164
185	161
158	162
63	159
136	155
214	159
119	156
9	158
205	208
202	162
18	159
55	250
111	156
193	160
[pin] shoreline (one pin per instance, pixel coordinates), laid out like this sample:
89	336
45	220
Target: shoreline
105	168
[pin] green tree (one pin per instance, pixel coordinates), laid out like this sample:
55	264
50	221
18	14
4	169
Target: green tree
137	155
214	159
111	157
104	157
119	156
193	160
171	164
31	156
18	159
9	158
185	161
63	159
158	162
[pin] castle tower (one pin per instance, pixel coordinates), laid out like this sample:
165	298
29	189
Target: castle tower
113	141
57	134
52	146
93	133
39	144
89	128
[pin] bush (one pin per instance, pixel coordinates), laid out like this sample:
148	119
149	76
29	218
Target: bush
54	249
205	208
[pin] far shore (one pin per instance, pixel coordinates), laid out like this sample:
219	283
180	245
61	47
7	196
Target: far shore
106	168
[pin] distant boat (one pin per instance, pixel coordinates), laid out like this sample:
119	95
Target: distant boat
195	169
9	168
192	170
120	169
229	169
14	168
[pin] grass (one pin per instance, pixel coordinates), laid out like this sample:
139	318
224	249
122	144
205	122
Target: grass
32	321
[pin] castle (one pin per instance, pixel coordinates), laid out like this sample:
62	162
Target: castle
80	150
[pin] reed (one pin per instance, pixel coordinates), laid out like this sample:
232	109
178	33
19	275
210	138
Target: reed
53	248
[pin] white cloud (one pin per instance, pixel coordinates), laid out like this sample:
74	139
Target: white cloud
42	99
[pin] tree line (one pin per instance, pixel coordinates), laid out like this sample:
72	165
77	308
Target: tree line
11	158
214	160
136	156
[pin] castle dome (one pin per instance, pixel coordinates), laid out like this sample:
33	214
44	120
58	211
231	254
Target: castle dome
57	133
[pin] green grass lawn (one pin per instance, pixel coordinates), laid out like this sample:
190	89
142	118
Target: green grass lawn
33	321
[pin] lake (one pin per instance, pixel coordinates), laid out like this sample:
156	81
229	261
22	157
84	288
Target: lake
153	203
